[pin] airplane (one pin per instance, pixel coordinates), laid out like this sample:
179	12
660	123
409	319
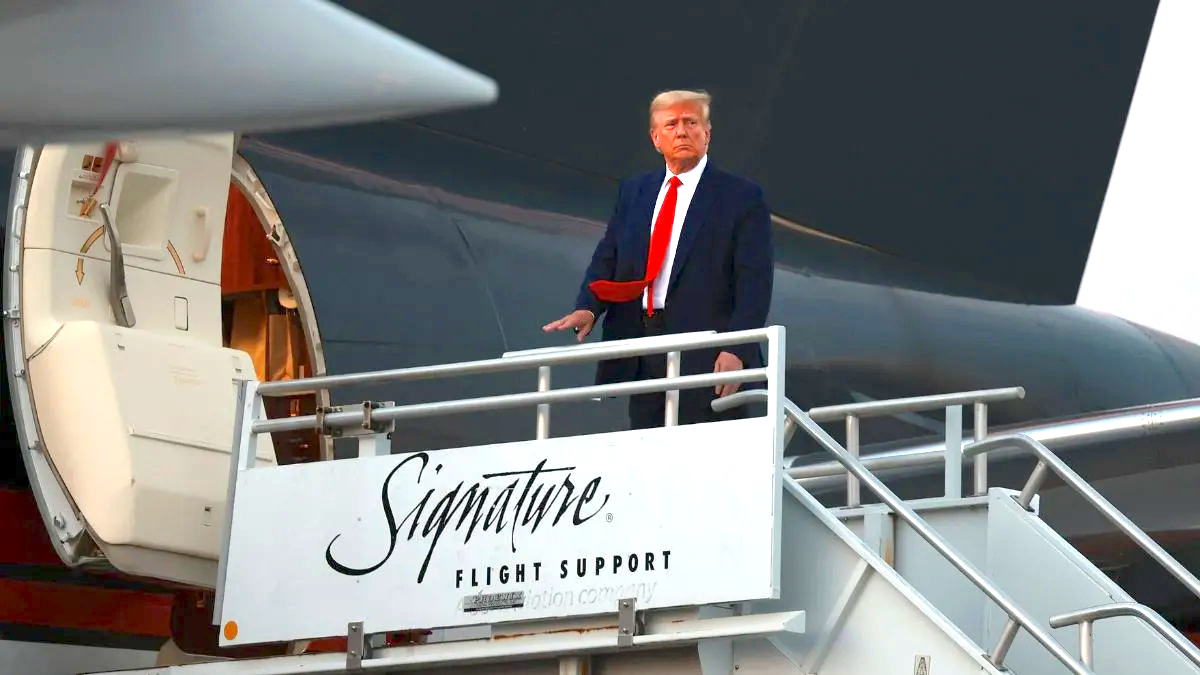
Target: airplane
941	224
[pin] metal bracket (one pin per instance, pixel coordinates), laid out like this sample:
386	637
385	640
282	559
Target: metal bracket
629	623
357	646
321	427
366	422
374	438
369	425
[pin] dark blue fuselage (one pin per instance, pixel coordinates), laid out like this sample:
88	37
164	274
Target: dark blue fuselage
971	169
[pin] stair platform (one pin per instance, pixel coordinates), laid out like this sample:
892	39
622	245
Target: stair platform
680	549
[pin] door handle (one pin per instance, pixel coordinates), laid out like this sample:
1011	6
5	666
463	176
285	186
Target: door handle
118	292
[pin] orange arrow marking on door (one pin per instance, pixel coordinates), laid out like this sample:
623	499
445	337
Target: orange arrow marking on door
175	257
99	232
87	245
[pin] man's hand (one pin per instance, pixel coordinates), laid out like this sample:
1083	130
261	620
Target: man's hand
581	320
726	362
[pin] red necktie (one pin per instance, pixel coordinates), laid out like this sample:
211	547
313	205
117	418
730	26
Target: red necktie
660	238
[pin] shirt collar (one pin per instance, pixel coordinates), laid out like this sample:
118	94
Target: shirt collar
690	176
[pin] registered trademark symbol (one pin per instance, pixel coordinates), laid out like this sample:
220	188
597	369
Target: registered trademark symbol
608	517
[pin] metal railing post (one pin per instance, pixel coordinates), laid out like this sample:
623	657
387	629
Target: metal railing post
981	473
853	489
1086	638
1007	635
543	409
953	451
1032	485
243	456
671	410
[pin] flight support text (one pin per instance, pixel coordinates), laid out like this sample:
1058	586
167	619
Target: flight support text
580	567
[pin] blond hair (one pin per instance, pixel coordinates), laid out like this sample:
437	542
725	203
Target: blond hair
674	97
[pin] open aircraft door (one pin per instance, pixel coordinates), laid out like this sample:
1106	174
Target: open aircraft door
123	391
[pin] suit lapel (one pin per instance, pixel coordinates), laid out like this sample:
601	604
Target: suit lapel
701	201
640	217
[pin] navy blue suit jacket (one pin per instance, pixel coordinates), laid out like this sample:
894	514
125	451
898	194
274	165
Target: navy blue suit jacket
721	278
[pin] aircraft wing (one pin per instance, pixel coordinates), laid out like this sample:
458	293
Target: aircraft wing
73	70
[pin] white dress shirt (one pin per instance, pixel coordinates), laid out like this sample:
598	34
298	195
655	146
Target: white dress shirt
687	188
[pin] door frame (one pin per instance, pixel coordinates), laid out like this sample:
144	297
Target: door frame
60	517
243	177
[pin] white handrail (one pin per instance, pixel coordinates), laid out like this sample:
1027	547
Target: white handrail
542	359
1122	423
894	406
652	341
855	467
602	351
1047	460
387	414
1086	617
854	413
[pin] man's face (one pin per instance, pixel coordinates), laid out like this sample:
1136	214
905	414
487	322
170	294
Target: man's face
680	133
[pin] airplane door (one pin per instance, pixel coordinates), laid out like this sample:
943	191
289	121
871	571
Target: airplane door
125	391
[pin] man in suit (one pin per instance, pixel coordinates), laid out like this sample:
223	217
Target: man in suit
688	248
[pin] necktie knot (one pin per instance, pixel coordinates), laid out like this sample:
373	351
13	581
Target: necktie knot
675	182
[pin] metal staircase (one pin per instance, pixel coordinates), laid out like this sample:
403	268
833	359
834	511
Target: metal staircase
1011	557
616	558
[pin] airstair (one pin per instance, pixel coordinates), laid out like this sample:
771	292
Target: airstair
681	549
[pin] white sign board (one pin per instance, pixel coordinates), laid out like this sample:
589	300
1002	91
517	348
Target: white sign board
672	516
